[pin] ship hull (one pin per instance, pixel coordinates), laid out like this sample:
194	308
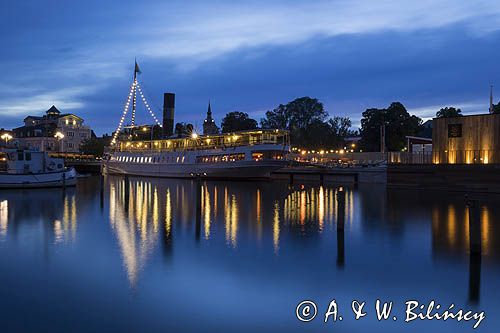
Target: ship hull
237	170
38	180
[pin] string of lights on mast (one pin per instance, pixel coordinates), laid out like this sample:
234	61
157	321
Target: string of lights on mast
132	97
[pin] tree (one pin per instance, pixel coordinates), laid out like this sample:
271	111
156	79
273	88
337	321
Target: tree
183	129
237	121
496	108
448	112
296	116
93	146
278	118
339	130
398	124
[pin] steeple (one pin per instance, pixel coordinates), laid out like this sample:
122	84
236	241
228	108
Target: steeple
209	126
209	112
491	98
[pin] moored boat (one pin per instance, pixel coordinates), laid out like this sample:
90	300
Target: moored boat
35	169
240	155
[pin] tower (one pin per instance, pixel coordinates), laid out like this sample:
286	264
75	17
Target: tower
209	126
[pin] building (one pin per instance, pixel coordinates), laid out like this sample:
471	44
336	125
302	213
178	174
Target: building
209	126
52	132
471	139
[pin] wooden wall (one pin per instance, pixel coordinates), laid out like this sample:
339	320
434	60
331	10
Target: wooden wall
479	142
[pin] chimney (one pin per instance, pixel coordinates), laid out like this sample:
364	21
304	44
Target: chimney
168	114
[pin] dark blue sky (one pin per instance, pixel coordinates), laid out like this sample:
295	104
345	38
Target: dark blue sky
248	56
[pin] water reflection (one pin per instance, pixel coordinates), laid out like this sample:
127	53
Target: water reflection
135	222
450	229
246	240
4	215
21	211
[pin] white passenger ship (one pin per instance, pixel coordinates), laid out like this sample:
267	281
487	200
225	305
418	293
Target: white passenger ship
247	154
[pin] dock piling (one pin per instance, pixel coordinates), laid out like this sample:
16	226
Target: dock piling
127	192
474	226
198	207
340	209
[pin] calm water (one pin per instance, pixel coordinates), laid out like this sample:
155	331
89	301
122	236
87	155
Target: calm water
86	261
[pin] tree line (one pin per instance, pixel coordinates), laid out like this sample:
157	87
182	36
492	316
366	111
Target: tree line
311	127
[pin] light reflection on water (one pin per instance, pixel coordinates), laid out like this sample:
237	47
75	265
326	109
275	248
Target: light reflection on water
193	242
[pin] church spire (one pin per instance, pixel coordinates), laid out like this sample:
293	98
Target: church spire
209	112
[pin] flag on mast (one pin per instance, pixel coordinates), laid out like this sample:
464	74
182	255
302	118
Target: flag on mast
137	70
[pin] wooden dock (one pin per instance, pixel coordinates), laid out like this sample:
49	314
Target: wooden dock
321	175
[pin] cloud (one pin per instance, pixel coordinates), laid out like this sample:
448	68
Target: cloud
469	107
208	33
64	99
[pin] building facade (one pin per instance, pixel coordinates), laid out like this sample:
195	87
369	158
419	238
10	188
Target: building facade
471	139
54	132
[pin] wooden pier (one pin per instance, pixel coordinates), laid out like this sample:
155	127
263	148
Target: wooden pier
354	174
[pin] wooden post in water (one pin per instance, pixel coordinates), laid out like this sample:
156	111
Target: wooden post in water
474	227
291	179
127	192
474	278
198	207
101	193
340	226
475	250
340	209
321	179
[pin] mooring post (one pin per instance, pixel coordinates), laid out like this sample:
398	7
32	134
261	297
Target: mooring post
474	278
101	196
198	207
340	209
127	192
474	227
474	250
321	179
291	179
340	248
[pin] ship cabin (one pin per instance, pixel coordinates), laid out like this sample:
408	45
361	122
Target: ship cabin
261	144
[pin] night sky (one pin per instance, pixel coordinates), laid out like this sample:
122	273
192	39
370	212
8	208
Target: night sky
247	56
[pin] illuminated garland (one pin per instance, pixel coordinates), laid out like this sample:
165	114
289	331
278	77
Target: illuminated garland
125	111
133	93
135	103
147	106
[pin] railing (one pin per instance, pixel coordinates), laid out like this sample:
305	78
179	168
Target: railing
209	142
409	158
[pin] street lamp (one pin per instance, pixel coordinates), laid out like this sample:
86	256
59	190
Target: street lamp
7	137
59	136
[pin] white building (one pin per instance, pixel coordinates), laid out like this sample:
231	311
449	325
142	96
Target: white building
52	132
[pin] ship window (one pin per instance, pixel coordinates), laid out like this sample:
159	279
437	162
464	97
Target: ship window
150	159
257	156
177	159
20	156
28	156
182	159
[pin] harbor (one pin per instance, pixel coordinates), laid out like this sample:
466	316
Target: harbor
253	167
168	241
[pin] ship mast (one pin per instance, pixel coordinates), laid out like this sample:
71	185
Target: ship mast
132	98
134	101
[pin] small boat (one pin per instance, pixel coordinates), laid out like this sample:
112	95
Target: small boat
34	169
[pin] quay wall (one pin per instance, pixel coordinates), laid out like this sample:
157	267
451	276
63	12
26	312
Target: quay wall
454	177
